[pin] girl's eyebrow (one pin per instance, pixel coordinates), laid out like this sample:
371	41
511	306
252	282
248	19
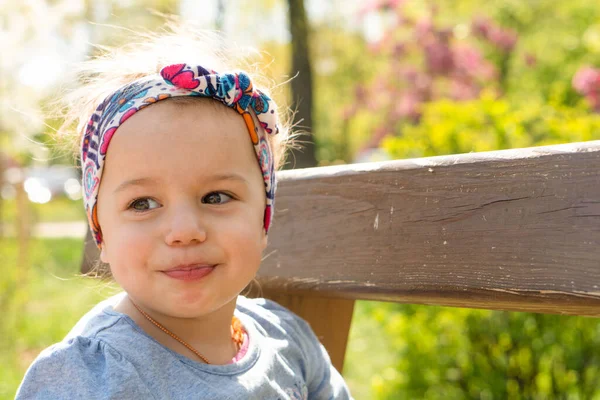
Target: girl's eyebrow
228	177
150	181
134	182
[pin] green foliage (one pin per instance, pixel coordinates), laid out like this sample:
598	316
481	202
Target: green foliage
40	301
371	355
454	353
339	68
461	353
487	123
59	209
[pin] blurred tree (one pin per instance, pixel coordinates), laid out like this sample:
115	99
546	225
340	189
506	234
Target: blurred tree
341	70
302	86
220	19
426	62
526	52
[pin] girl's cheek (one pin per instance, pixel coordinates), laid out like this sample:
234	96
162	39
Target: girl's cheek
131	234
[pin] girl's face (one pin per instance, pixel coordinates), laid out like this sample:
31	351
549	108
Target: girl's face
182	189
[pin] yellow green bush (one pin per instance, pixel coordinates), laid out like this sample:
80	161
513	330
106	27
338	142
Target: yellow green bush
487	123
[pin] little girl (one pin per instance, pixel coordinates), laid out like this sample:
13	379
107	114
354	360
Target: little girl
178	166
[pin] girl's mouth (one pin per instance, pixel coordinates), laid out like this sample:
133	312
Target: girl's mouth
189	273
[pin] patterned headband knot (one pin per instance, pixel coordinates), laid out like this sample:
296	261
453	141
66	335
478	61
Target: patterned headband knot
235	90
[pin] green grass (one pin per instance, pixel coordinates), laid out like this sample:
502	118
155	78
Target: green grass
60	209
39	302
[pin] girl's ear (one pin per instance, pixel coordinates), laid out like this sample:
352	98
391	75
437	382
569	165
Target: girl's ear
103	255
264	240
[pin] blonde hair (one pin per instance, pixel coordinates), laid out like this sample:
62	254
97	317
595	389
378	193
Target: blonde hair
145	54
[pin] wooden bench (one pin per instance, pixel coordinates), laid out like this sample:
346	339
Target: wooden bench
506	230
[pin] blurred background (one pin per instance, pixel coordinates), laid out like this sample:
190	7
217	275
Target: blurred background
374	80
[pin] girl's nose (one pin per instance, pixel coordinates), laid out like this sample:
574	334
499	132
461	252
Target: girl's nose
185	228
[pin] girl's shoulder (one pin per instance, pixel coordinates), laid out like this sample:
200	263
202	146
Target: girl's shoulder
270	314
263	307
86	363
78	368
284	335
274	322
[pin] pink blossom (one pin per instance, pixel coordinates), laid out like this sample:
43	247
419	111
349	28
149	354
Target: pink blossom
481	27
530	60
423	29
439	57
487	71
368	7
409	74
391	4
363	99
586	80
504	39
470	62
423	84
399	50
372	103
407	106
467	58
464	89
445	34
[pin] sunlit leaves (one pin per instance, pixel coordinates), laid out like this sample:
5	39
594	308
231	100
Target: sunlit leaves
486	124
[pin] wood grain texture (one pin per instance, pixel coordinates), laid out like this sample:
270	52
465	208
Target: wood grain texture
511	230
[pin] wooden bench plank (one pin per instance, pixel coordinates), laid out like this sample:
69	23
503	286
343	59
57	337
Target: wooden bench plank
510	230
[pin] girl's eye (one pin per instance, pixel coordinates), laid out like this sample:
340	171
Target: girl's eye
216	198
143	204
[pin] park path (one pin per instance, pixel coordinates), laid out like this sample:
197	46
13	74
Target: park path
73	229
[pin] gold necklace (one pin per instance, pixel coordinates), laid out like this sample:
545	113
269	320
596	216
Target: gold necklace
237	333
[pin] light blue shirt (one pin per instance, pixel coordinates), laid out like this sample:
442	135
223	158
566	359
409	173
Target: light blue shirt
108	356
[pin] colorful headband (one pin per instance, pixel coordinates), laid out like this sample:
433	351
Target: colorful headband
235	90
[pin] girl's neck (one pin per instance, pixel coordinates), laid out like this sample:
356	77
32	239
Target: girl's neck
210	335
